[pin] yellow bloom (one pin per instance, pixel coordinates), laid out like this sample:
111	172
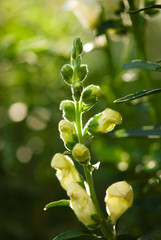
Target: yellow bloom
82	205
66	171
68	133
119	197
81	153
103	122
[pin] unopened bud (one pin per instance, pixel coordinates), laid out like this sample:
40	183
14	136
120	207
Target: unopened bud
68	109
67	73
119	197
103	122
82	72
91	94
78	45
82	205
68	133
81	153
66	171
77	90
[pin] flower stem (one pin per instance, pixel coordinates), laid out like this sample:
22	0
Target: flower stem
105	227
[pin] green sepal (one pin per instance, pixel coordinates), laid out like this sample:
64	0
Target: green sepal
68	108
69	145
96	223
82	72
63	202
77	63
73	54
77	90
92	126
90	94
67	73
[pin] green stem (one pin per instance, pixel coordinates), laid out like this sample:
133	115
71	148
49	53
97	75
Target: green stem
105	227
79	121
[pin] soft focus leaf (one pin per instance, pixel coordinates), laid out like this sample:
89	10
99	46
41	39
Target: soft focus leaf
144	238
143	65
74	233
136	95
63	202
146	132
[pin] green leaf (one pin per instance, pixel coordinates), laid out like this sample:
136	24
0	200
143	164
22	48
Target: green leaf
145	8
137	63
145	132
74	233
136	95
63	202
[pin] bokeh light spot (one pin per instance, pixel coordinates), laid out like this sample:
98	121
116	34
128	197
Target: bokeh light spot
36	144
38	119
17	112
123	166
24	154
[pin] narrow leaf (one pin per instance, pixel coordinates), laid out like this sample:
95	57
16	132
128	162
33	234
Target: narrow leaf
74	234
142	65
63	202
145	8
144	132
136	95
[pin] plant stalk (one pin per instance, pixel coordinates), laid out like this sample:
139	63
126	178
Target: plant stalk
105	227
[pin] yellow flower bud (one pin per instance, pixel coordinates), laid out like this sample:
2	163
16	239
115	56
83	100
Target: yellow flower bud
66	171
68	133
103	122
81	153
119	197
82	205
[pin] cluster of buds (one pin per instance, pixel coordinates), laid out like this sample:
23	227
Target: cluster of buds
71	132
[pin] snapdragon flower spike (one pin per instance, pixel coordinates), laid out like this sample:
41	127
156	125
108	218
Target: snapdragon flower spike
68	134
81	153
68	108
66	171
119	197
82	205
103	122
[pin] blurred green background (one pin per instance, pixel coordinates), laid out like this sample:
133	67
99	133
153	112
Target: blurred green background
35	42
